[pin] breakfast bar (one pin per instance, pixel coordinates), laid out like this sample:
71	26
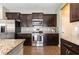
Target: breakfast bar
11	46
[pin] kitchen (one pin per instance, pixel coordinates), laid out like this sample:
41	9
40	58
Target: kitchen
40	29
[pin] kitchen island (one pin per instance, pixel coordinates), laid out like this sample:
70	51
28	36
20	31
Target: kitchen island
11	46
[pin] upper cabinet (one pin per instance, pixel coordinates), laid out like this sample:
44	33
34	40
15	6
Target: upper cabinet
50	20
74	12
13	15
26	20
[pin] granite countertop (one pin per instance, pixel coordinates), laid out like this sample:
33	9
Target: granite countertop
43	33
6	45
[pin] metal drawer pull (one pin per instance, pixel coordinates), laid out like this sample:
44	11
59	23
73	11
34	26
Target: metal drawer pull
68	45
68	52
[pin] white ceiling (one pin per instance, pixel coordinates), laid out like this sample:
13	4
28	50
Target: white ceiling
32	7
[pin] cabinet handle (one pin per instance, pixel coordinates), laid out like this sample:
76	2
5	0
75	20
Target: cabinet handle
68	45
67	52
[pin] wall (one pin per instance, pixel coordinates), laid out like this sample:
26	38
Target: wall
66	25
2	12
59	24
70	31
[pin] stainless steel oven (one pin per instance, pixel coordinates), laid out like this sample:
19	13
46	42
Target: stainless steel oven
37	35
37	39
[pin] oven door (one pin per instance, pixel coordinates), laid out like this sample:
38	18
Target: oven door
37	40
40	40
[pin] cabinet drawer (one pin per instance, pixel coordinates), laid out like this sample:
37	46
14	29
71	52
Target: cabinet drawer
72	48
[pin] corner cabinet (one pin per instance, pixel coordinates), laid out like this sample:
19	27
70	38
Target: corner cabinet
74	12
68	48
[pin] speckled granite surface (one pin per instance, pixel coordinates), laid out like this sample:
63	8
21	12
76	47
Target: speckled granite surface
6	45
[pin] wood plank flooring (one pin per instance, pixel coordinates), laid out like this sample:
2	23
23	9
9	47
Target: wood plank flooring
46	50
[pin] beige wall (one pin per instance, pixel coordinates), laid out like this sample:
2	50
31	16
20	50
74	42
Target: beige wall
59	24
2	12
66	25
70	31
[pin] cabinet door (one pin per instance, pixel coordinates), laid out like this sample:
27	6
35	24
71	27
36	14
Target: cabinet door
46	20
29	20
64	50
28	41
74	12
52	39
50	20
13	15
26	20
23	18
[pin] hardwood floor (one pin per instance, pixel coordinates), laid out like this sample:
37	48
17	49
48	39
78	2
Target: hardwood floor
46	50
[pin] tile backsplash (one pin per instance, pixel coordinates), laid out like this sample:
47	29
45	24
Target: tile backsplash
32	29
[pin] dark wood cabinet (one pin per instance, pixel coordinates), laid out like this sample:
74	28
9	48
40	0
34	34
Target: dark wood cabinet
51	39
50	20
68	48
37	15
26	20
29	20
13	15
17	27
74	12
23	18
27	38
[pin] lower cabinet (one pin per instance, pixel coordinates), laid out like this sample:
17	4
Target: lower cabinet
68	48
27	38
51	39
